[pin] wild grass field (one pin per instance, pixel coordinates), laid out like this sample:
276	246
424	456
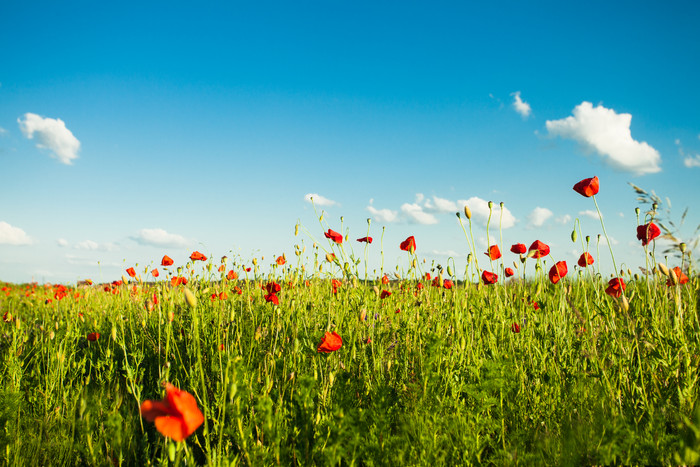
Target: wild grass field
520	359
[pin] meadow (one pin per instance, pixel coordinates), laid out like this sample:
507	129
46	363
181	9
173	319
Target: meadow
312	360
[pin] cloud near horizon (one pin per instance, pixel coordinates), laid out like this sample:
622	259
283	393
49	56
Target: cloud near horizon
51	134
160	238
607	133
10	235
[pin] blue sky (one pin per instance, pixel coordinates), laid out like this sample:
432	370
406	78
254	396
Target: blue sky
130	131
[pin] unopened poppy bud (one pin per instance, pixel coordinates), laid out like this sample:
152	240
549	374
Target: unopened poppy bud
458	215
330	257
321	218
469	258
190	298
663	268
414	263
637	210
490	204
467	212
636	276
125	280
629	272
114	333
449	270
674	277
654	206
625	303
523	258
574	235
682	247
296	230
255	261
588	239
376	290
363	315
369	221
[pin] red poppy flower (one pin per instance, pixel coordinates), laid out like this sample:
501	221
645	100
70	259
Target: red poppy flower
223	296
682	278
166	261
427	276
615	287
177	416
272	298
232	275
489	277
93	336
197	256
419	286
281	260
409	244
330	343
131	272
585	259
558	272
515	327
384	294
540	249
385	279
447	284
247	269
365	239
518	248
493	253
535	305
587	187
333	235
509	272
178	280
238	290
155	273
272	287
647	232
222	268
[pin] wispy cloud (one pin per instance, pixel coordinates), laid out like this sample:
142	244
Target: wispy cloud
480	210
319	200
415	214
62	242
520	106
539	216
160	238
383	215
689	160
589	213
602	130
565	219
51	134
91	245
10	235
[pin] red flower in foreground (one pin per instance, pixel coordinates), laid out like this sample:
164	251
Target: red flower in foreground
587	187
166	261
333	235
131	272
647	233
197	256
409	244
489	277
585	259
232	275
330	343
93	336
493	253
178	280
682	278
615	287
540	249
384	294
272	287
281	260
558	272
509	272
365	239
447	284
155	273
385	279
515	327
518	248
177	416
272	298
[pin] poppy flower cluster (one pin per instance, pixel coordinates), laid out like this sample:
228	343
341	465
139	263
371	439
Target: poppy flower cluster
330	342
336	284
177	416
178	280
335	236
272	288
232	275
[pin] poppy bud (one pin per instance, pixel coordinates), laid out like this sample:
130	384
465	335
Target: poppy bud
469	258
490	205
674	277
458	215
588	239
255	261
363	315
523	258
625	303
449	270
467	212
369	221
654	206
636	210
296	230
376	290
124	279
574	235
501	205
190	298
321	218
330	257
636	276
414	263
114	333
663	268
682	247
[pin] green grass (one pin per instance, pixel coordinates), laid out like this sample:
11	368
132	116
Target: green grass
443	382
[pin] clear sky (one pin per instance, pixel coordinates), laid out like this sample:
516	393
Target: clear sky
131	130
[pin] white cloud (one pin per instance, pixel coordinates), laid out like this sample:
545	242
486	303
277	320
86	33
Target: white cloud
480	212
539	216
440	205
415	214
565	219
447	253
621	214
692	161
91	245
10	235
383	215
319	200
589	213
608	133
523	108
159	237
62	242
419	197
51	134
